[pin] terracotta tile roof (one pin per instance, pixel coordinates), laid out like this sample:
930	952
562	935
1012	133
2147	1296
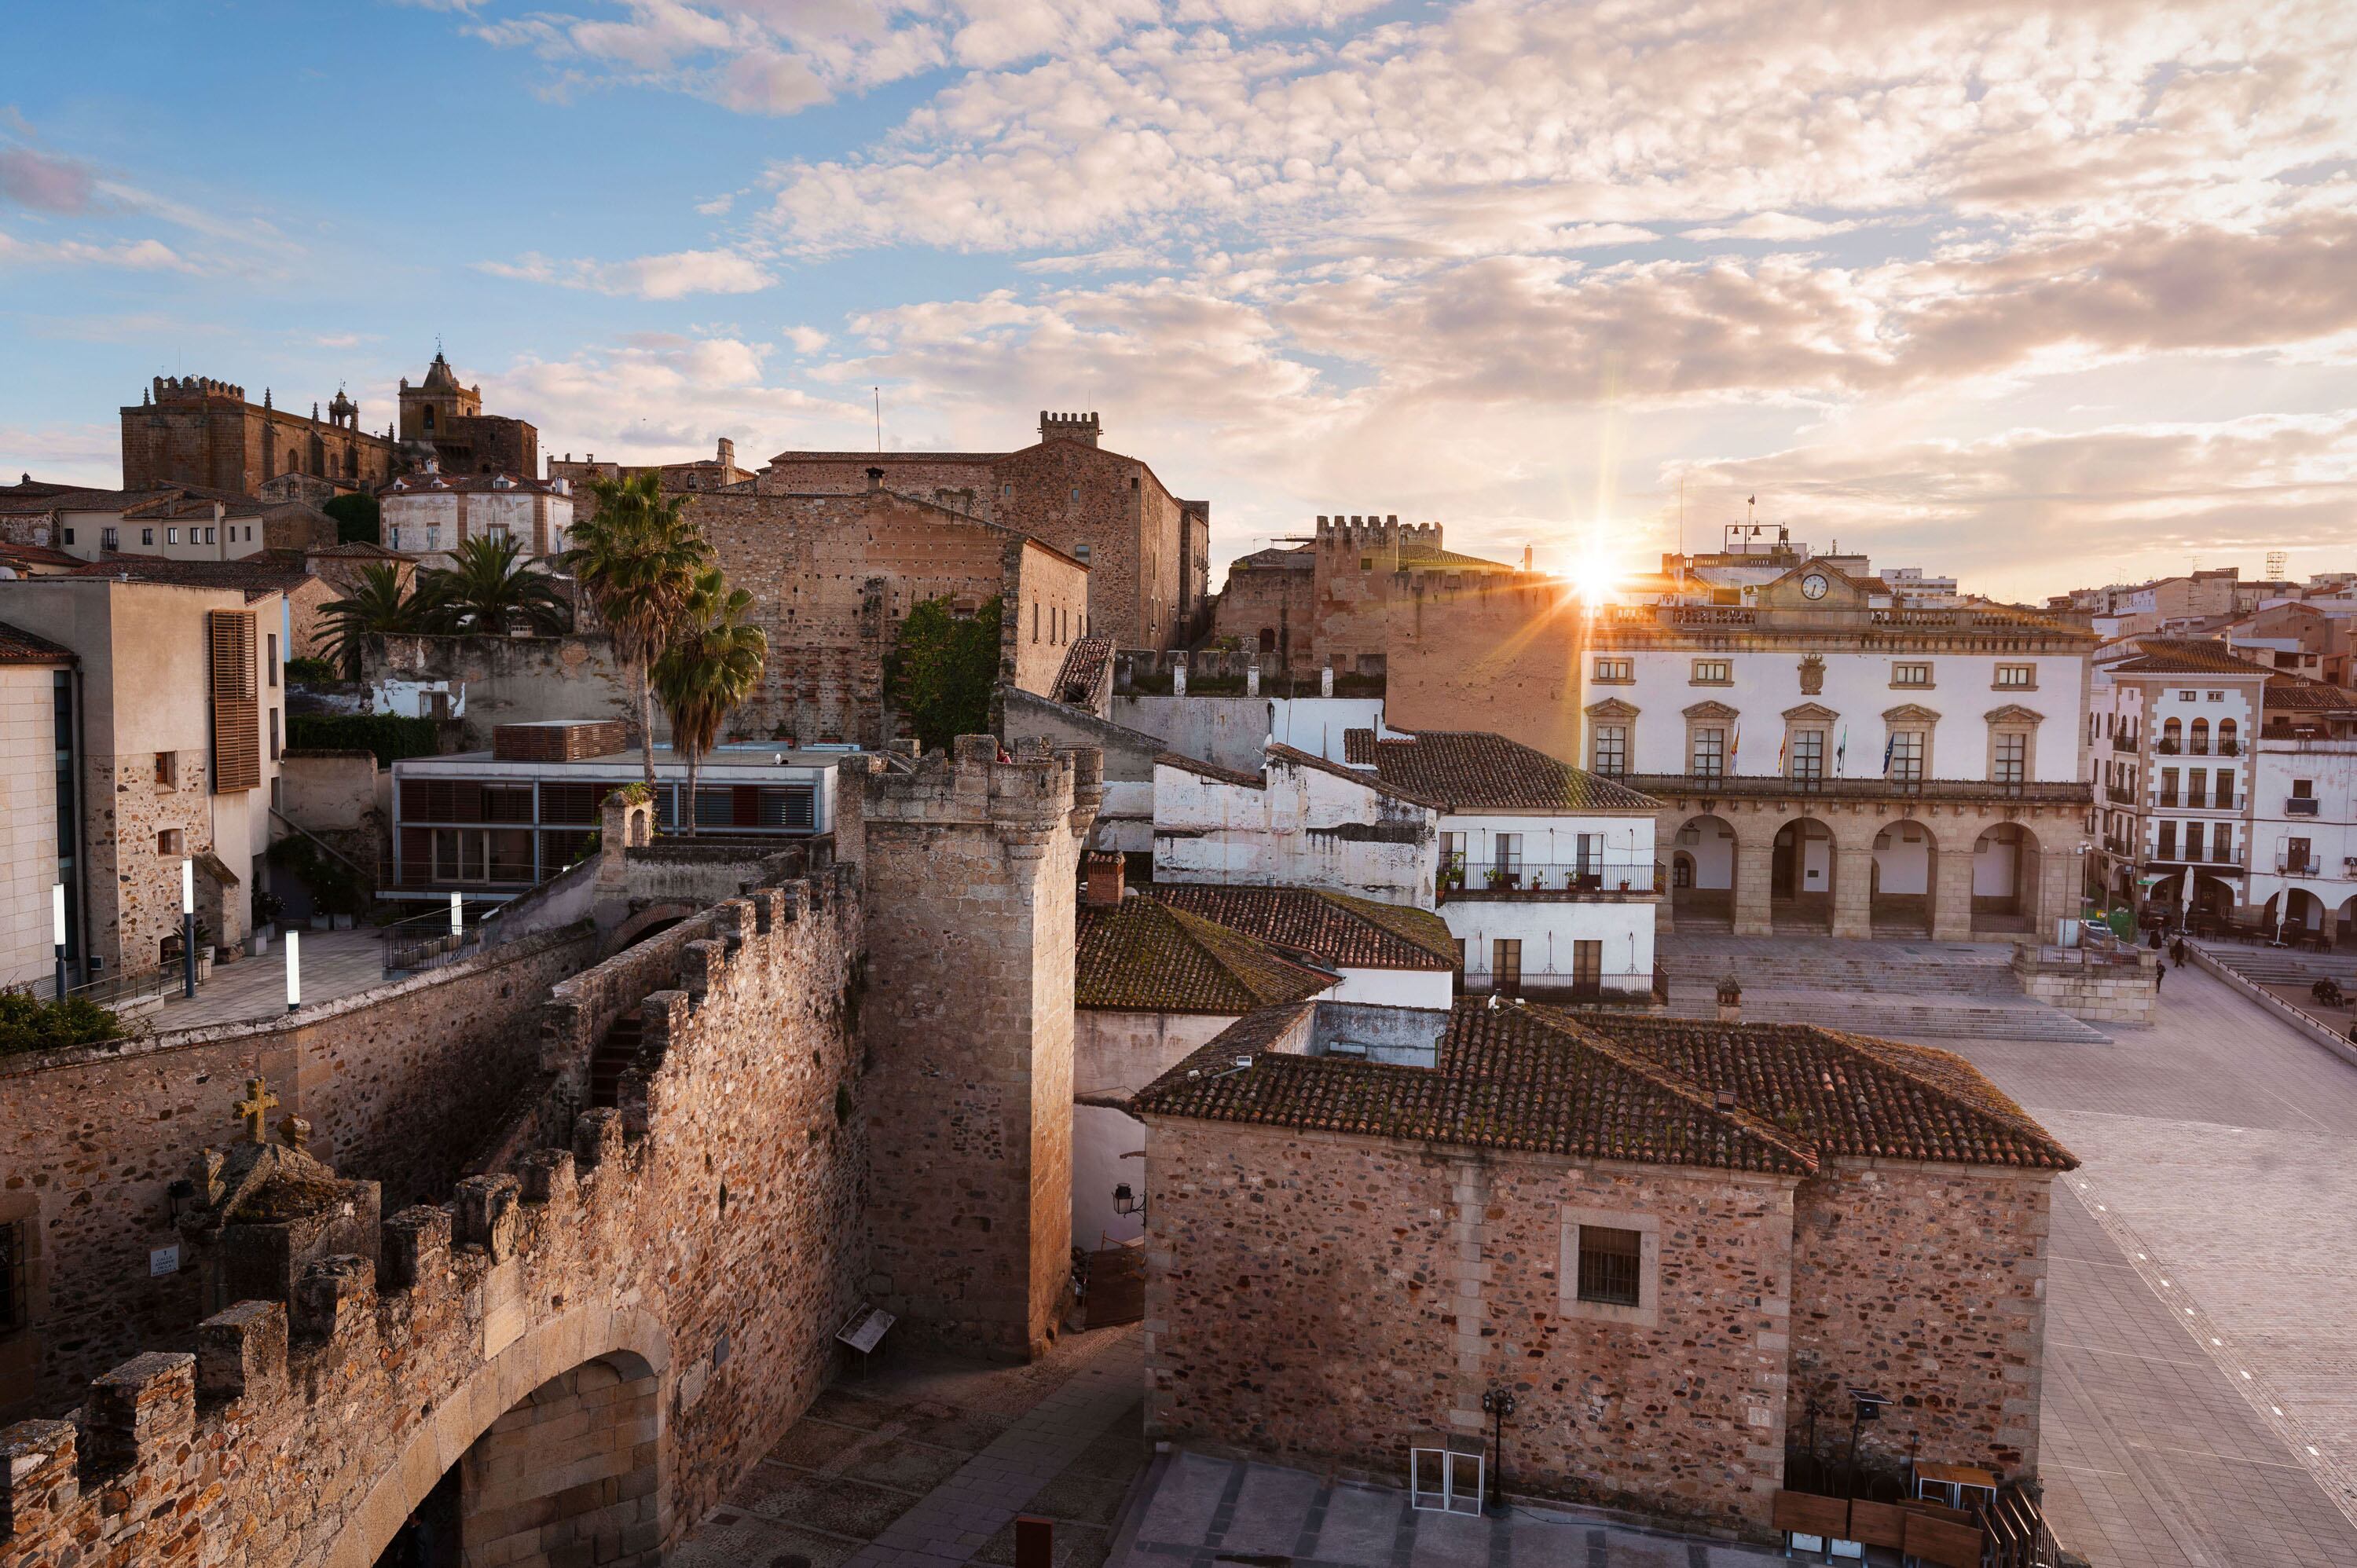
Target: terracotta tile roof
264	572
1359	747
40	555
1362	776
1510	1078
1848	1095
1203	770
23	647
1609	1087
1144	956
1086	665
2289	691
1473	770
1332	927
359	549
1278	558
2181	655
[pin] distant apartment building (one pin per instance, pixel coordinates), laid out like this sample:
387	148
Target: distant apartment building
1822	764
170	702
169	522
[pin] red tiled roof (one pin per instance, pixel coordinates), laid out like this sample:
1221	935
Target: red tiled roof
1533	1080
2291	693
359	549
1086	663
19	647
264	572
1333	928
1473	770
38	555
1203	770
2182	656
1364	778
1142	955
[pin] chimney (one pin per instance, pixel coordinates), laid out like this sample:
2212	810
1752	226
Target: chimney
1105	873
1731	1001
874	479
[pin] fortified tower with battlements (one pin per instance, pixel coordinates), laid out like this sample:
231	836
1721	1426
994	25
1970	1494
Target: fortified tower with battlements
972	867
1372	535
1084	428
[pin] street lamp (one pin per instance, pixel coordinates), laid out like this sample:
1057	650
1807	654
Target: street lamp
188	926
1498	1404
294	968
1863	1407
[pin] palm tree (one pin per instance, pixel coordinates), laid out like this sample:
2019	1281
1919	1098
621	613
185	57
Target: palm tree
711	664
490	589
380	604
637	558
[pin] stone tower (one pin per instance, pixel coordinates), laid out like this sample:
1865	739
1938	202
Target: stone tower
972	868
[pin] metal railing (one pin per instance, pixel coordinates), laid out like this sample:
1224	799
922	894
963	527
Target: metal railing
2302	806
1752	784
2287	866
1559	987
2121	795
2121	742
1606	878
426	941
126	987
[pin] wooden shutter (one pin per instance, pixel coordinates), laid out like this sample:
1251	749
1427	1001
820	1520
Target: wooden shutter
237	702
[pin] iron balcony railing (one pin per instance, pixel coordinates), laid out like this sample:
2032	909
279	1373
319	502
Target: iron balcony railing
1564	987
1602	878
1758	784
2171	859
2121	742
2286	865
2302	806
2121	795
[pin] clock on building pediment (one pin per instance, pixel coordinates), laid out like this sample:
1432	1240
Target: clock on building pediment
1814	591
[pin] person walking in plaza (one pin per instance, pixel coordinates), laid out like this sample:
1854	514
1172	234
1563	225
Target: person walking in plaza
2177	952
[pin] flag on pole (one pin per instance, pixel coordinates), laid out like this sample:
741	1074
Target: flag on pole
1779	752
1736	749
1888	742
1841	750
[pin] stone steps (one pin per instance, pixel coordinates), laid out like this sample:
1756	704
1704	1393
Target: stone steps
1787	972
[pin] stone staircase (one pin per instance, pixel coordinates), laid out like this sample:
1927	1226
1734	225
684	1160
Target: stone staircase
1920	990
613	1057
2282	966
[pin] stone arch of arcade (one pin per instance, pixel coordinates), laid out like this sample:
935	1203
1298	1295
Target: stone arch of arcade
1970	862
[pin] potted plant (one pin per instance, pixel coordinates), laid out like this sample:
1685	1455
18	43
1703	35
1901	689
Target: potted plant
1495	876
1453	875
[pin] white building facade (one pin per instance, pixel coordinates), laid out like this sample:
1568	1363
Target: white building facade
2168	731
430	515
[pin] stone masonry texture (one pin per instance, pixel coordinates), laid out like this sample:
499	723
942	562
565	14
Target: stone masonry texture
658	1294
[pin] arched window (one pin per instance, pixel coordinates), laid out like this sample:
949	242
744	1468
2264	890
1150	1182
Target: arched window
2227	733
2171	732
428	420
2201	737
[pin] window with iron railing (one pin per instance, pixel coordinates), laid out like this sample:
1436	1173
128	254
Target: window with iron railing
1610	1265
1709	753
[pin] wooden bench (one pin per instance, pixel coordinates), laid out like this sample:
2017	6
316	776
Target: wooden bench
1941	1542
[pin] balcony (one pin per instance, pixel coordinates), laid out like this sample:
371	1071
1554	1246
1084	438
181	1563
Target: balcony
2166	747
2119	795
2167	800
2122	743
1754	785
1597	880
2285	865
2302	806
2228	864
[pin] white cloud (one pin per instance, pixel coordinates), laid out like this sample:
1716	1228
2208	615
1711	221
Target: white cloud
45	181
672	277
134	256
806	340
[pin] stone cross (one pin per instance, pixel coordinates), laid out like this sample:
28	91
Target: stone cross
255	1108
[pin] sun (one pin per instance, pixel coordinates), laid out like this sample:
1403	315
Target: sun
1594	569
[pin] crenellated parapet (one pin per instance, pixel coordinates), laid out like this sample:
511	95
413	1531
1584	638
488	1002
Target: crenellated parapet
1024	798
697	1247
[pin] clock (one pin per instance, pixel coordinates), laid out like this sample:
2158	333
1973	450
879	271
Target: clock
1814	585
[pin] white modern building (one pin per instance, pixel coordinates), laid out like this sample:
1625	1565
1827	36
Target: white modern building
2303	814
1545	875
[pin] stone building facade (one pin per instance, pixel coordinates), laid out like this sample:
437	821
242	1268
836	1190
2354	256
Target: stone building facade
430	513
1148	550
1668	1240
716	472
972	867
1822	765
444	422
193	430
572	1357
834	576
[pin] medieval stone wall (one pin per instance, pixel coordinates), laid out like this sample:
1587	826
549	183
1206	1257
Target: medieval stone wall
1925	1284
1329	1298
972	867
516	680
716	1253
399	1083
222	441
1271	610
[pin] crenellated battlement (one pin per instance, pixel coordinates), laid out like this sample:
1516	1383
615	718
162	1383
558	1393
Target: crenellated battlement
974	785
1084	428
304	1430
1373	534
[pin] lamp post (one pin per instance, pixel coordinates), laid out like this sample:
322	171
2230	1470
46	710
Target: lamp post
58	934
1863	1407
458	922
188	926
294	968
1498	1404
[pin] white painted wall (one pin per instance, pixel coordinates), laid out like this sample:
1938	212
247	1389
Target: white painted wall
1396	987
1553	840
1125	820
1547	931
1858	688
2331	769
1292	832
1232	731
1903	866
1709	843
1118	1053
29	822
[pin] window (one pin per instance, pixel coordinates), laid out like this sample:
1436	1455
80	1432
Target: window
171	536
2224	800
1081	554
2197	787
1506	857
1076	492
2169	786
1907	755
1806	755
167	770
109	538
272	665
2296	858
1035	620
2227	732
70	536
172	841
2012	764
2213	696
16	1274
1709	753
2017	677
1713	673
147	536
1618	671
1506	966
1452	863
1587	972
2166	848
1911	674
2303	789
2201	737
208	536
274	735
1610	755
2221	845
1610	1265
2193	840
2187	697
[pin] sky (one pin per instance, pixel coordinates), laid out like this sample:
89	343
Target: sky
2038	294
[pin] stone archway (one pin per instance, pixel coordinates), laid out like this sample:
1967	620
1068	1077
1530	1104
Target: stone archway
2005	890
2344	933
2300	912
1704	871
1904	879
544	1379
1802	877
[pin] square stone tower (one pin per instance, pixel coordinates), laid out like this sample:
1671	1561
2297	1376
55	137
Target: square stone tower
972	869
